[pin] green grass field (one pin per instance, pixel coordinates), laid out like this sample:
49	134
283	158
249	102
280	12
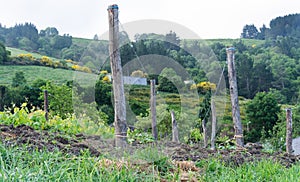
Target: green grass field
39	72
15	52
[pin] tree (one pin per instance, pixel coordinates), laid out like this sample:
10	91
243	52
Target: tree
169	81
245	74
3	54
96	38
19	79
60	99
138	73
262	113
49	32
263	77
3	96
103	96
60	42
263	32
172	41
249	32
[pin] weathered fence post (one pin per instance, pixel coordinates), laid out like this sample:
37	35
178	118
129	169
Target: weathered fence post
234	97
175	137
153	108
46	105
289	133
204	132
117	77
213	123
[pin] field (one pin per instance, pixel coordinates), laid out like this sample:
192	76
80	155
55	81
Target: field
15	52
39	72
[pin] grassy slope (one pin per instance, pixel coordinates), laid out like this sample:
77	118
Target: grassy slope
15	52
39	72
229	42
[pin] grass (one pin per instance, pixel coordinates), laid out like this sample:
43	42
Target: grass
39	72
265	170
15	52
83	42
18	164
229	42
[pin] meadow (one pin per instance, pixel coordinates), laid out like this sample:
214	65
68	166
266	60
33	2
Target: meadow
32	73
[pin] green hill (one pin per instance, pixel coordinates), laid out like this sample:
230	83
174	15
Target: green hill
16	52
39	72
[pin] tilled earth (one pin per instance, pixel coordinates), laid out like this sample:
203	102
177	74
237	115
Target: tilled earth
44	140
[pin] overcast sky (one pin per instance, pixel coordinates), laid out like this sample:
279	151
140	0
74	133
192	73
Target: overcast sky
85	18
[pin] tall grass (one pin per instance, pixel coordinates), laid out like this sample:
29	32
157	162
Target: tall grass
265	170
18	164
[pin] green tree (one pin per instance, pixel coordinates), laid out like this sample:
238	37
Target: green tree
262	113
60	99
3	54
49	32
19	79
250	32
244	64
169	81
103	97
172	41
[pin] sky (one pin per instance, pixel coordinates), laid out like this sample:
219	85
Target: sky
207	19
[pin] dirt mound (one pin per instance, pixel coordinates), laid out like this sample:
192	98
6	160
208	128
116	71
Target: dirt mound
44	140
251	152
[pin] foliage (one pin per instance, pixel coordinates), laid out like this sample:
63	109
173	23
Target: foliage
250	32
195	135
262	112
169	81
265	170
4	54
18	80
139	137
103	96
36	119
138	73
81	68
60	99
163	121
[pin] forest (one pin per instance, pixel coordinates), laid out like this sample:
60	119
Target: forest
268	78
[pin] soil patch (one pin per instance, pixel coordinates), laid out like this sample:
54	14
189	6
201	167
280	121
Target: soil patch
43	140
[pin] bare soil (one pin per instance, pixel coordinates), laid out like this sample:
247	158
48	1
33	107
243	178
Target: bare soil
43	140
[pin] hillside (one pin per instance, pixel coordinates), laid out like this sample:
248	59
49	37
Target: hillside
32	73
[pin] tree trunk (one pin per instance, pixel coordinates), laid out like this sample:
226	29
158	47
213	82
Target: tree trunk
117	78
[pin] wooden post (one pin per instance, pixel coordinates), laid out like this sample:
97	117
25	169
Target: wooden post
2	92
46	104
175	137
234	97
117	77
213	123
289	128
153	108
204	133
